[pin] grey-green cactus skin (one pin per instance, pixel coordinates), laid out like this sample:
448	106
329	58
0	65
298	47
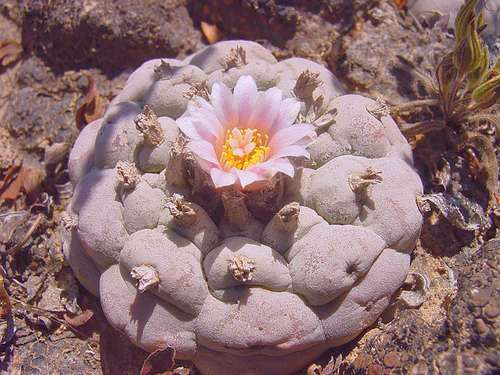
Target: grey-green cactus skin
269	297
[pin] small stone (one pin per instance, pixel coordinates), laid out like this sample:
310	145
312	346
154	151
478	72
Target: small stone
481	327
493	359
420	369
492	310
391	359
404	357
375	369
480	297
448	363
496	285
362	361
469	361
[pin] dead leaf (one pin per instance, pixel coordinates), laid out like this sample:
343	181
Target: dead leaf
28	180
79	320
401	3
9	221
211	32
92	106
10	51
159	361
460	211
333	367
56	153
7	327
5	305
483	164
415	289
11	185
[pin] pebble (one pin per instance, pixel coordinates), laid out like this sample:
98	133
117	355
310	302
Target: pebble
420	369
362	361
469	361
392	359
496	284
480	297
375	369
481	326
492	310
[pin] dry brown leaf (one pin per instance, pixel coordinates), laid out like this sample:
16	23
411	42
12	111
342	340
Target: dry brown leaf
401	3
160	361
10	51
483	163
80	319
92	106
7	178
28	180
12	188
5	305
211	32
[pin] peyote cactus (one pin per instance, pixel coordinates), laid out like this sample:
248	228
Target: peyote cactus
241	210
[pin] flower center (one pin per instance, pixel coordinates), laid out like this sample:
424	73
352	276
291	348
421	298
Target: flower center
243	148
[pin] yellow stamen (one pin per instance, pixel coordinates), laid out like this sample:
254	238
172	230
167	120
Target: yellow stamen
243	148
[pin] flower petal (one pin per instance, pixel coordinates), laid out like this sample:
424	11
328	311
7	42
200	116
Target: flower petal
204	150
266	109
247	177
224	105
186	126
203	116
294	150
271	167
288	136
289	110
245	96
221	178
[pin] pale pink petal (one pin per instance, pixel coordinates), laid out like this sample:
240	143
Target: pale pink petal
271	167
288	136
204	150
224	105
289	110
205	131
266	109
205	165
221	178
245	96
247	177
293	150
186	126
206	118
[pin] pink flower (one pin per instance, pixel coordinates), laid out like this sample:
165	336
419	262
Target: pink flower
245	136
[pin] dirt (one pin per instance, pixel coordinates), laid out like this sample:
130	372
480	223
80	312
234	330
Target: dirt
67	45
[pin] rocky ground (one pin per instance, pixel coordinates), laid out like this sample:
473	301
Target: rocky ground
62	61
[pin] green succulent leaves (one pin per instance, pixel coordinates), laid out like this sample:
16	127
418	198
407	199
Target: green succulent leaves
464	75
